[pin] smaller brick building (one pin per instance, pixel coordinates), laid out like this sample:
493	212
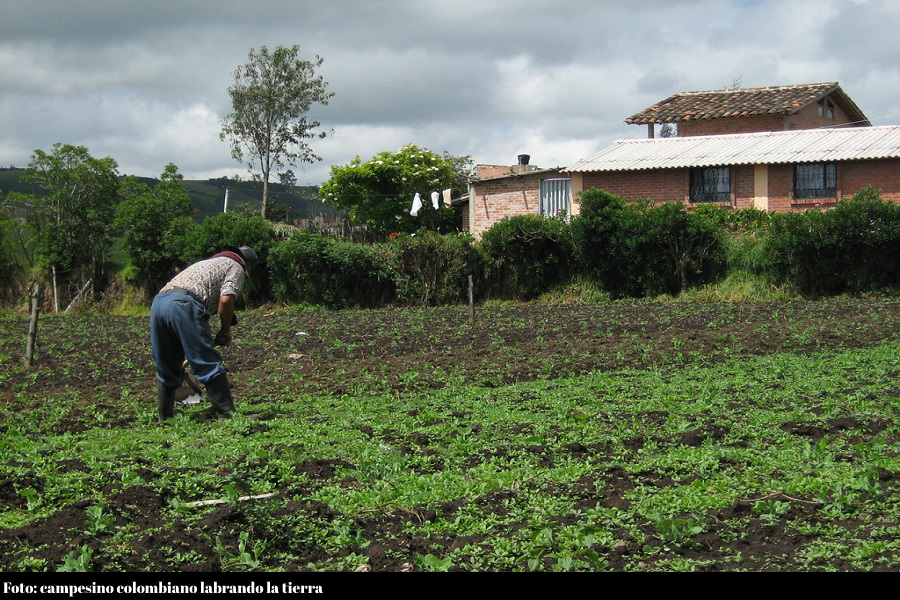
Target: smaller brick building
501	191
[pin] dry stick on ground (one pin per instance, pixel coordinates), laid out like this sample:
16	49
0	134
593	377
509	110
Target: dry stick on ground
225	501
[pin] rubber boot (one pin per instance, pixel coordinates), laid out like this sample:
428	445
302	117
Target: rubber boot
165	402
218	391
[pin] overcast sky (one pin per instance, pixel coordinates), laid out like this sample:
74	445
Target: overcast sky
145	82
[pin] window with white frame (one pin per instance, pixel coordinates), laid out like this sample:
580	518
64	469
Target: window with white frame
711	184
815	180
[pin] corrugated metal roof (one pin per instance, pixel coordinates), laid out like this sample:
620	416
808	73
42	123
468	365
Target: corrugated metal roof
773	147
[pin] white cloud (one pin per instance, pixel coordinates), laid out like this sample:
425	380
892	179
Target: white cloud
145	82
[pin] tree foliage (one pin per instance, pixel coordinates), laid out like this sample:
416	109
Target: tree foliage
238	229
72	218
155	223
271	96
9	267
379	193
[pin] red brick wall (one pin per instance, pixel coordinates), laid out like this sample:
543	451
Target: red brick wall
731	125
490	171
672	184
808	118
494	200
658	186
805	118
852	176
880	174
465	217
742	186
668	185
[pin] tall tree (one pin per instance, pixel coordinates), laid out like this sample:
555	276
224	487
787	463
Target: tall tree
72	214
270	97
155	223
379	192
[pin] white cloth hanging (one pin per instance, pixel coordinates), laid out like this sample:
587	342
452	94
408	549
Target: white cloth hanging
435	202
416	205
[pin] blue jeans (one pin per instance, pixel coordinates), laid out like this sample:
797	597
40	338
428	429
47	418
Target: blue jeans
179	329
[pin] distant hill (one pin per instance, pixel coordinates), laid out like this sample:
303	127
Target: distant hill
208	196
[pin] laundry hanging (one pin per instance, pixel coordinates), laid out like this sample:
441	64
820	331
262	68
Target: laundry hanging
435	200
416	205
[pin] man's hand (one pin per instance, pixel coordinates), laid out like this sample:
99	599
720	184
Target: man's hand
226	314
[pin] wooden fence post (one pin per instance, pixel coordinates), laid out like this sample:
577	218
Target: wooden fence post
32	326
471	302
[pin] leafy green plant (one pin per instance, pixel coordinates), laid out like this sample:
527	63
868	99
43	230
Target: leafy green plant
313	269
77	561
771	511
430	562
677	530
99	521
247	554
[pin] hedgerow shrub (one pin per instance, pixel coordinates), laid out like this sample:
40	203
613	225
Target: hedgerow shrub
741	220
431	269
309	268
637	249
238	229
853	247
679	248
600	238
525	256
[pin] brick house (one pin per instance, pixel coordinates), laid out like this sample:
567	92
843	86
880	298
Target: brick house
501	191
776	148
748	110
772	171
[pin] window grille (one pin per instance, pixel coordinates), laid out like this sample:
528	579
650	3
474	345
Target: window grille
815	180
711	184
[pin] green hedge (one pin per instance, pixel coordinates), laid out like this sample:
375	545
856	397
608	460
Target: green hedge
312	269
525	256
638	249
238	229
431	269
854	247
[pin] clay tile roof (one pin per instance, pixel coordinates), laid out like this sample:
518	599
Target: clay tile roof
745	102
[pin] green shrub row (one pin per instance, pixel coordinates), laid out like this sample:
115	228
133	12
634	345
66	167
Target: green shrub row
854	247
624	249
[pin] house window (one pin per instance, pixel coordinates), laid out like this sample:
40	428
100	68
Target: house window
555	197
826	109
815	180
711	184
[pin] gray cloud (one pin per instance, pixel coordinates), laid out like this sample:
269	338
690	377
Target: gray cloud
145	82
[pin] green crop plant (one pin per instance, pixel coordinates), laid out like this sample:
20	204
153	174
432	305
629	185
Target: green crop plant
77	561
99	521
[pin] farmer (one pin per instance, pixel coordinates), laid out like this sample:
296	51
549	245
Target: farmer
179	327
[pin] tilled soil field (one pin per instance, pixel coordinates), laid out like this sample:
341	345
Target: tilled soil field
377	440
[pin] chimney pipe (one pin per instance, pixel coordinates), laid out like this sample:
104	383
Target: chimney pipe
523	159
